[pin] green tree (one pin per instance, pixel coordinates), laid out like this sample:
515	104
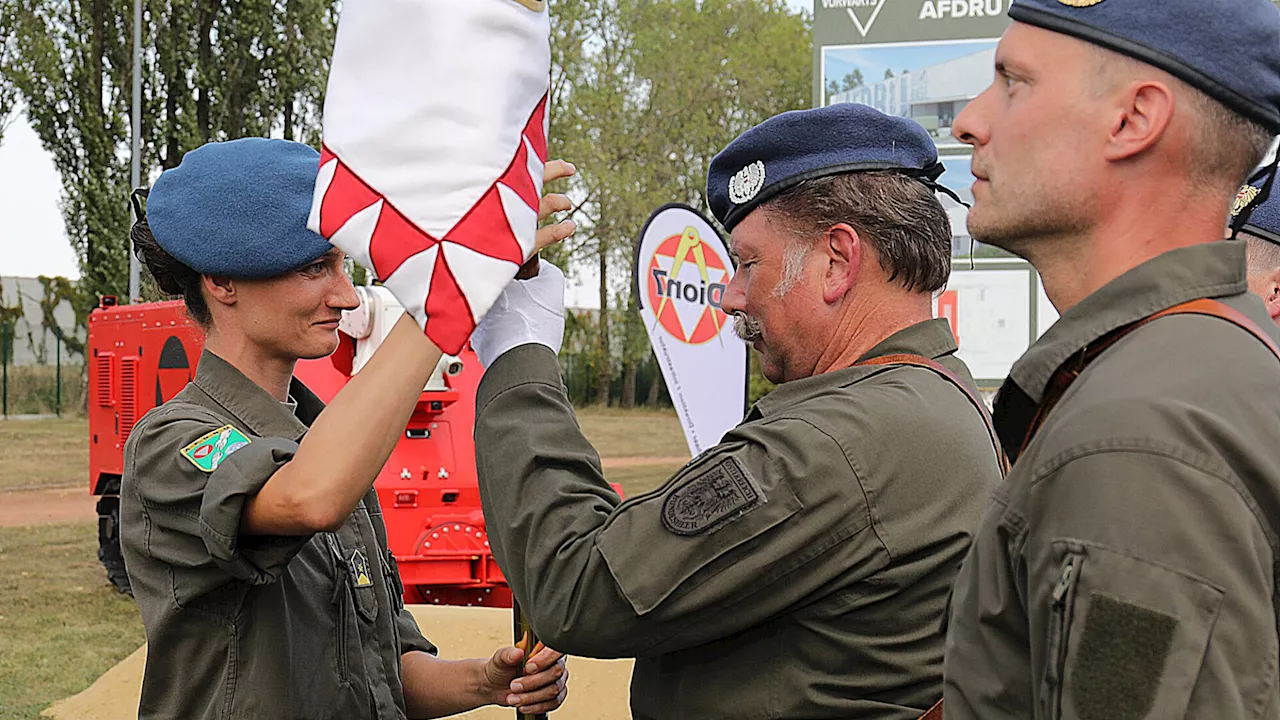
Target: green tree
852	79
8	92
645	93
211	70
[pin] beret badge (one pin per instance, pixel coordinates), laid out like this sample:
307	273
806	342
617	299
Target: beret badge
746	183
1243	198
1080	3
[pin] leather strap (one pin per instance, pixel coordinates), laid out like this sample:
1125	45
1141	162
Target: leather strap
933	713
1064	376
973	397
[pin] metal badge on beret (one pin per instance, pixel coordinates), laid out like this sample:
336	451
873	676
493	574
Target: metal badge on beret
1243	198
747	183
721	494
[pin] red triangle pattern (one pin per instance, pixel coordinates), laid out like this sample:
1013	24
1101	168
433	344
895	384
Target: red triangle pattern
395	240
485	229
448	314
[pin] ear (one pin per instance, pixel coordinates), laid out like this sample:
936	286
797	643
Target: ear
220	289
843	248
1144	110
1271	295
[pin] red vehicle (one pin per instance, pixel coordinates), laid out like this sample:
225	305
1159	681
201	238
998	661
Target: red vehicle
142	355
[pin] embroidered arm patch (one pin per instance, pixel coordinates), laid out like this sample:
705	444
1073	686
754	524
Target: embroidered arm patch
723	493
208	452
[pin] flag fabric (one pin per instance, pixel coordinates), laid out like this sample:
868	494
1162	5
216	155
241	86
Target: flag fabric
434	143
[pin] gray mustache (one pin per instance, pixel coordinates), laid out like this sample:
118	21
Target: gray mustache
746	327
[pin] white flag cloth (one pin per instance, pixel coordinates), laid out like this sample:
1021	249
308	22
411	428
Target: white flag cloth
435	138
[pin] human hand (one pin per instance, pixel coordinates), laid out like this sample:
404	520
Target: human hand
553	203
527	311
537	686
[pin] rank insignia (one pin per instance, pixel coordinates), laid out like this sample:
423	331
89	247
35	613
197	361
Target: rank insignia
360	575
721	494
208	452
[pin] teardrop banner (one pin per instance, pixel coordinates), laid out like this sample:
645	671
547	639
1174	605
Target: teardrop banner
682	273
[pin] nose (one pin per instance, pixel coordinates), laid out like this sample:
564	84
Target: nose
735	296
343	296
969	126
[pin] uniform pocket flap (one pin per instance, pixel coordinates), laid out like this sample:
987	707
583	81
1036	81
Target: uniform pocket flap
1137	638
659	542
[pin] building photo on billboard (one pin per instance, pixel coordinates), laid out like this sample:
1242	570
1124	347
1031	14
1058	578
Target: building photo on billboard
929	82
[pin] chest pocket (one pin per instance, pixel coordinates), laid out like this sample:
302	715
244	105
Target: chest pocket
353	564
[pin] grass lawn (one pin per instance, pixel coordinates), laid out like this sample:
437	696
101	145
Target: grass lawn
44	453
61	624
633	433
641	478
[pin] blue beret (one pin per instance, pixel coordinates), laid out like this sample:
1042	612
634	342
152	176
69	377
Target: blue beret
1264	220
788	149
1227	49
239	208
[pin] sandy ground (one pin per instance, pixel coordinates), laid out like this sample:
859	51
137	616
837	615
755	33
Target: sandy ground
47	506
598	689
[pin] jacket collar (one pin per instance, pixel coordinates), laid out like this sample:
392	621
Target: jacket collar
250	404
931	338
1214	269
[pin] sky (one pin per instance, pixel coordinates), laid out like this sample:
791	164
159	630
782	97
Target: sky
33	240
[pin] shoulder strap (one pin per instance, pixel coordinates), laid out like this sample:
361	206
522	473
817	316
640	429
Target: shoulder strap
940	369
933	713
1064	376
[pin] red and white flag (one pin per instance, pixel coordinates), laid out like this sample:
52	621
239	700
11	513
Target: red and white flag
435	138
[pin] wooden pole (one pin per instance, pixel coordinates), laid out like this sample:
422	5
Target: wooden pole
520	626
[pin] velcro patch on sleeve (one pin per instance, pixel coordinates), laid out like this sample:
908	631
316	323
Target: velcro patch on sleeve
1121	659
722	493
209	451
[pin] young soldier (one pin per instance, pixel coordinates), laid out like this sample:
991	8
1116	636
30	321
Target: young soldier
800	568
1127	568
253	537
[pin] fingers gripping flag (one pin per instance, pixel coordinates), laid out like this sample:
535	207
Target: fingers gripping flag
435	138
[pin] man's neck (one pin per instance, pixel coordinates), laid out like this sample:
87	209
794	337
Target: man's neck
1136	230
866	324
267	371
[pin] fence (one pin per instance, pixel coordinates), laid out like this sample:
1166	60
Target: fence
31	384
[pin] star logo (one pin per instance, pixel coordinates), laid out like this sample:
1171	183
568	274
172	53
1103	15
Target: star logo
687	282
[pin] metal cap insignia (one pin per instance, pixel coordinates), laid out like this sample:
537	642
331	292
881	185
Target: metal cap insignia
746	183
1243	198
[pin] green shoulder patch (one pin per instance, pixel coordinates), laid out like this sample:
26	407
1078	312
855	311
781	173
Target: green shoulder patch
208	452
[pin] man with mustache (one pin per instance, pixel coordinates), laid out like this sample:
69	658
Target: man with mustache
800	568
1127	567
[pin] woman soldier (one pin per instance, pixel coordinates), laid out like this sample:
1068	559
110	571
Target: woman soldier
253	538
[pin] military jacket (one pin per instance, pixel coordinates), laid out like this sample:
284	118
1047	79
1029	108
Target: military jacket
1126	568
241	626
799	569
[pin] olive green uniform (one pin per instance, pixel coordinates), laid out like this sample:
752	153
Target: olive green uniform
242	626
1126	568
799	569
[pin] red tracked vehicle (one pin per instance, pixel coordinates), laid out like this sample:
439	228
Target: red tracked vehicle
142	355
